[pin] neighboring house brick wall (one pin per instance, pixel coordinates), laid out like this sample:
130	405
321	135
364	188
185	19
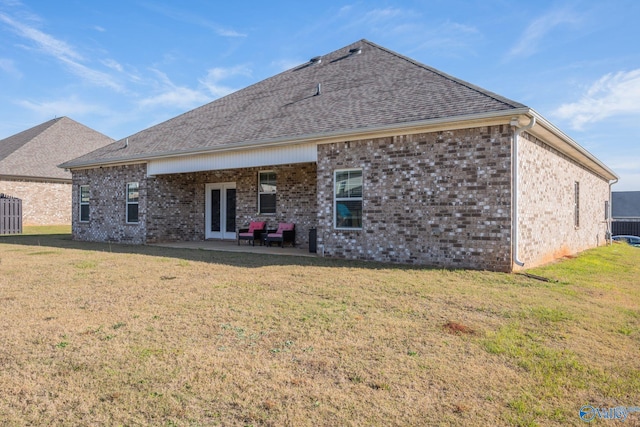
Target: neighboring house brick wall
43	203
546	204
440	199
107	205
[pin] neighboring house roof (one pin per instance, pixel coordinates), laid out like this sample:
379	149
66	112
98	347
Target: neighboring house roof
36	152
625	204
360	87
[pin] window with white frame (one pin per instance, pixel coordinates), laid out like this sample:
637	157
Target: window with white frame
133	195
348	199
83	196
267	192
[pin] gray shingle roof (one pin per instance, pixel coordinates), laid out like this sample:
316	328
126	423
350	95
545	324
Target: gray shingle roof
625	204
36	152
376	87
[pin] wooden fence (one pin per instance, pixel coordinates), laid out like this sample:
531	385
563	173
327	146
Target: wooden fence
10	215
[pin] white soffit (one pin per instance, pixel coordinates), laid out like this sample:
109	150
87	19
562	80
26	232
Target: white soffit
263	157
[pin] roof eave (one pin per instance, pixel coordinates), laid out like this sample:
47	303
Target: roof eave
458	122
35	178
555	137
547	131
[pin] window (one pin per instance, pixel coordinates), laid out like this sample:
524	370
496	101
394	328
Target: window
267	192
132	202
606	210
576	203
84	203
348	199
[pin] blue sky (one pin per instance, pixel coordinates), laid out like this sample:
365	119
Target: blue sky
122	66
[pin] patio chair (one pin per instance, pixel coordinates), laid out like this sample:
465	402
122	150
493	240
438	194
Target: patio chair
253	233
286	232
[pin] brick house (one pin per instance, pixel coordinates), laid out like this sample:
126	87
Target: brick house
29	168
389	159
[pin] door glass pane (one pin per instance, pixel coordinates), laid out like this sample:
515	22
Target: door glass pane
215	210
231	210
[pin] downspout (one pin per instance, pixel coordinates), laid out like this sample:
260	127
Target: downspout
514	184
609	214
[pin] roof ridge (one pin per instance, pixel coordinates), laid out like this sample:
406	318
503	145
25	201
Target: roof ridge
15	142
465	83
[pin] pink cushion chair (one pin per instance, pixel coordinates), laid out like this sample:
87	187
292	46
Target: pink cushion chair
253	233
286	232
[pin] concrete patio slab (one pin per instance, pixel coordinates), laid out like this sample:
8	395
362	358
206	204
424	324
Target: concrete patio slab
243	247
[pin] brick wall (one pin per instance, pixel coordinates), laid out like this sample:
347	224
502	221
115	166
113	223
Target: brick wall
440	199
107	205
546	204
172	207
43	203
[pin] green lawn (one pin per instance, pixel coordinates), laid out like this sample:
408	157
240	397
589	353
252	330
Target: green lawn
98	334
46	229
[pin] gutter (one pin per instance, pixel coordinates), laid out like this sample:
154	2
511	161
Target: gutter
609	218
514	185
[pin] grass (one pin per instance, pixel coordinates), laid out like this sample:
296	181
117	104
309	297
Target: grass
98	334
30	230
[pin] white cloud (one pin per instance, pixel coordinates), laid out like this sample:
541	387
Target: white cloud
612	95
539	28
345	10
113	64
171	95
8	66
99	28
379	15
92	76
178	97
45	42
190	18
448	38
185	98
63	52
226	32
71	106
378	19
218	74
286	64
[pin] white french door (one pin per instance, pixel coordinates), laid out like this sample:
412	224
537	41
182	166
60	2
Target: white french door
220	211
